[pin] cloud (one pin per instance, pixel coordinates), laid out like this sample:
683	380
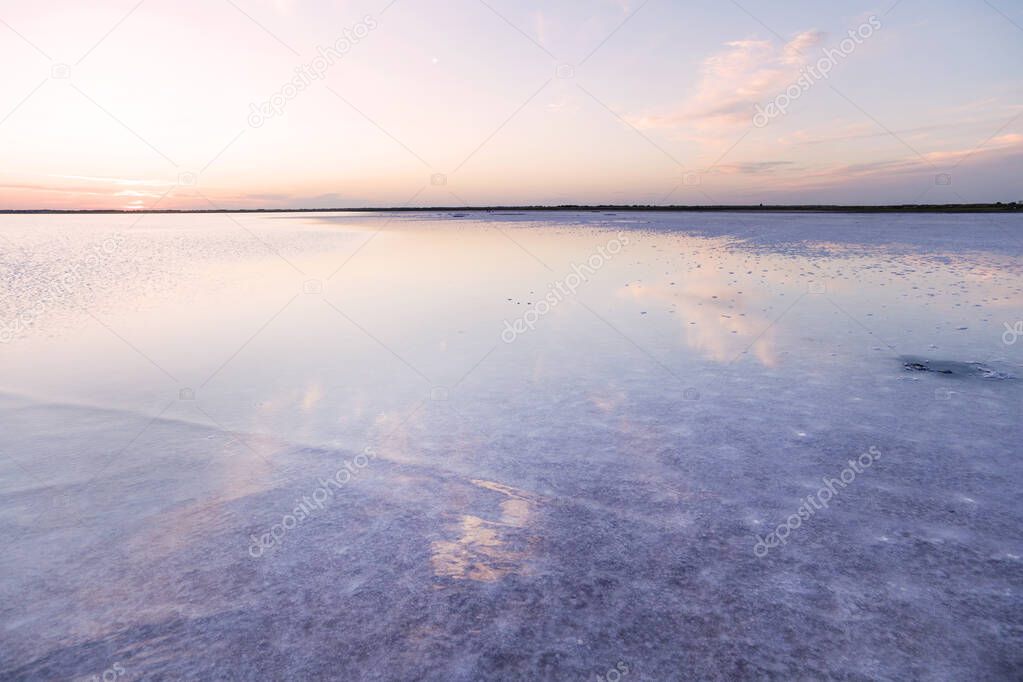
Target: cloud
1003	151
996	145
865	130
732	81
752	167
1007	140
115	181
267	196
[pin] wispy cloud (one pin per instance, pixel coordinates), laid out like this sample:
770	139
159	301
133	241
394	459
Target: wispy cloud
1003	151
745	73
865	130
115	181
753	167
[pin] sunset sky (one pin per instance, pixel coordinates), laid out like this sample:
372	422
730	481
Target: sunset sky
128	104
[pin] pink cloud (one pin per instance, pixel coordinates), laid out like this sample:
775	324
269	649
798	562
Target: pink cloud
732	81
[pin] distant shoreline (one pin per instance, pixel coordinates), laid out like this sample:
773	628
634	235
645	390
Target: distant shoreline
1014	207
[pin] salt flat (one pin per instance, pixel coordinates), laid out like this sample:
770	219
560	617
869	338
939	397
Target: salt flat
548	446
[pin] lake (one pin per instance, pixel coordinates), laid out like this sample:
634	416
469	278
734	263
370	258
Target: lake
639	445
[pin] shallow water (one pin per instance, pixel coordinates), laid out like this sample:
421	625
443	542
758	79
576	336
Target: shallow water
417	446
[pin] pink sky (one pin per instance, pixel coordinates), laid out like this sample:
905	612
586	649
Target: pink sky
278	103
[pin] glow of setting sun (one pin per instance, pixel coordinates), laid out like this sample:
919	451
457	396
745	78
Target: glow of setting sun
270	104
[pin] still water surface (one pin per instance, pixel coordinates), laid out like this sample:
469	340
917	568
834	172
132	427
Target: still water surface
426	446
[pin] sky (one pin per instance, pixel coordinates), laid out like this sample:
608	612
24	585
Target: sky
122	104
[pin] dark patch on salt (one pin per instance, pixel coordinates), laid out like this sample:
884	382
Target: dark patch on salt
955	368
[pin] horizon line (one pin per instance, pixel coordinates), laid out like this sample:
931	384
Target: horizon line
997	207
